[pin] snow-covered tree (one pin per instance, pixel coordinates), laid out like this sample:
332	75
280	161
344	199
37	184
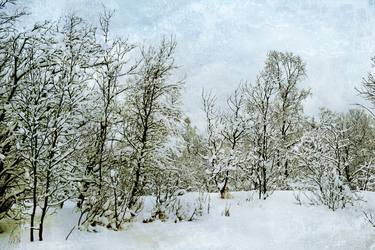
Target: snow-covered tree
358	153
99	171
48	108
150	117
235	128
367	90
214	143
263	135
191	158
226	130
14	64
322	167
287	71
275	109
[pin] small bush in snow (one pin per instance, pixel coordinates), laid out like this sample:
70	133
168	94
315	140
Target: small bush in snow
370	217
180	208
226	211
202	205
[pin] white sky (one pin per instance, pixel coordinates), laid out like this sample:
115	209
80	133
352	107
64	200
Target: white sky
221	42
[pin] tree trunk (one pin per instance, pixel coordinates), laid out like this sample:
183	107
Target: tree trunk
45	206
264	175
34	205
224	192
286	172
32	225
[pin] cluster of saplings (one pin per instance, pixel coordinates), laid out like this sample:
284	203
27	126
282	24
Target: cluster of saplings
96	120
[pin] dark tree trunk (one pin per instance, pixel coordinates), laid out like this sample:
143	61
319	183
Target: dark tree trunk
45	207
224	192
32	222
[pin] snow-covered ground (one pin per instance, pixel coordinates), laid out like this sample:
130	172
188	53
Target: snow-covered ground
277	223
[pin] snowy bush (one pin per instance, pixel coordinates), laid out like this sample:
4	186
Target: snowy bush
370	217
321	166
226	211
186	207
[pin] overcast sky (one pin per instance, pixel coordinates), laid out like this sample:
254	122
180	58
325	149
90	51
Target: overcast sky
223	42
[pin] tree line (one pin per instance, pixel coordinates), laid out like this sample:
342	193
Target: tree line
92	118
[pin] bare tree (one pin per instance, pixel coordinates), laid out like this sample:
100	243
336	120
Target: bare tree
261	106
13	67
111	67
150	115
368	89
48	108
214	141
288	70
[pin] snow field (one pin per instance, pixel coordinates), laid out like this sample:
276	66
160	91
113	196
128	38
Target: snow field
276	223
